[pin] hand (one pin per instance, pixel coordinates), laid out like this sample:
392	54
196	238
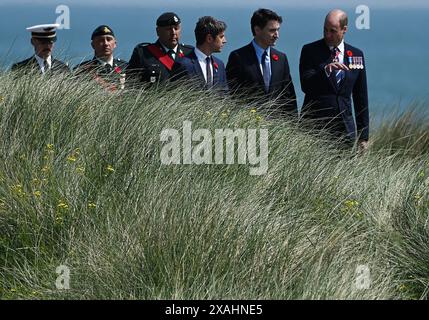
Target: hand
363	146
336	66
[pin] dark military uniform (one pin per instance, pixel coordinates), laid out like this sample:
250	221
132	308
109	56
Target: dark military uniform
31	64
151	64
110	77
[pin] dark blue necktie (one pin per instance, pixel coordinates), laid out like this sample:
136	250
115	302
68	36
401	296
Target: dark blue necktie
266	72
339	74
209	72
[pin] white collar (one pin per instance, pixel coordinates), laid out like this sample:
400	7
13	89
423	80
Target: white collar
166	49
340	47
41	61
104	62
201	56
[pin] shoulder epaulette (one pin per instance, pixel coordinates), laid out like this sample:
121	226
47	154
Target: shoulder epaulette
143	44
187	46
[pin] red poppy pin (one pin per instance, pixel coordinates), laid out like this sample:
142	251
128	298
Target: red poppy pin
181	55
118	70
215	65
275	57
349	53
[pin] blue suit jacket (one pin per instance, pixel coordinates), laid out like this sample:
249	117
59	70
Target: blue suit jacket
330	106
189	67
246	80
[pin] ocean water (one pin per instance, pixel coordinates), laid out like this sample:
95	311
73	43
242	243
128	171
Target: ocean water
396	47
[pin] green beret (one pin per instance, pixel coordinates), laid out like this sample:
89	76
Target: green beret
102	31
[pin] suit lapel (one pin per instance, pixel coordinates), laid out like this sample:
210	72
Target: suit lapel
255	64
276	69
327	57
215	71
346	73
34	64
196	65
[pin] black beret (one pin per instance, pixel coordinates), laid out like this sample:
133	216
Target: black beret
167	19
102	31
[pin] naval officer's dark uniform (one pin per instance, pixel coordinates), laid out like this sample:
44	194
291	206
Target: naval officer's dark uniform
42	35
31	64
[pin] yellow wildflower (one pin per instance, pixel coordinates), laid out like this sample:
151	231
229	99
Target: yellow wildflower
258	118
62	205
110	168
71	158
37	193
92	205
351	203
80	170
403	287
253	110
17	189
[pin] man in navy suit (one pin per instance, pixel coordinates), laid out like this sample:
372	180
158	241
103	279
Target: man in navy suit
201	66
258	72
332	72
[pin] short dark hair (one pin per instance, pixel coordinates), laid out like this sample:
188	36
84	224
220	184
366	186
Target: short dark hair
208	25
261	17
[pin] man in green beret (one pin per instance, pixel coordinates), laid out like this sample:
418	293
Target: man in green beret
104	68
153	62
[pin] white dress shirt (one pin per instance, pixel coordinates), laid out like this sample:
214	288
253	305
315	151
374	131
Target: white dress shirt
103	62
259	52
340	47
41	61
174	49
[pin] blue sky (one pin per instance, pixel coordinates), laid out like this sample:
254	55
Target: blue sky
236	3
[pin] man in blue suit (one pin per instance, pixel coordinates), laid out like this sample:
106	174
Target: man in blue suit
332	72
200	66
259	73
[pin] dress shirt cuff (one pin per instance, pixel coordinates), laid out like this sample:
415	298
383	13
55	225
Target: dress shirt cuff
328	74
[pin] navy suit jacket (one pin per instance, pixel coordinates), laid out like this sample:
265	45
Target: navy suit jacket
330	106
189	67
246	81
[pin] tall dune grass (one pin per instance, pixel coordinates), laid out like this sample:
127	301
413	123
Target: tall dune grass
82	185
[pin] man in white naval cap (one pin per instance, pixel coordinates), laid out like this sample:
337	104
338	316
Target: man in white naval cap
43	38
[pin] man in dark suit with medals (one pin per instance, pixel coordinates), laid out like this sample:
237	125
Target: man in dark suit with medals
153	63
258	72
332	72
104	68
43	39
201	67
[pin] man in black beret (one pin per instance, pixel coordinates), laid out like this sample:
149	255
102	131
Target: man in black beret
43	38
153	63
104	68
